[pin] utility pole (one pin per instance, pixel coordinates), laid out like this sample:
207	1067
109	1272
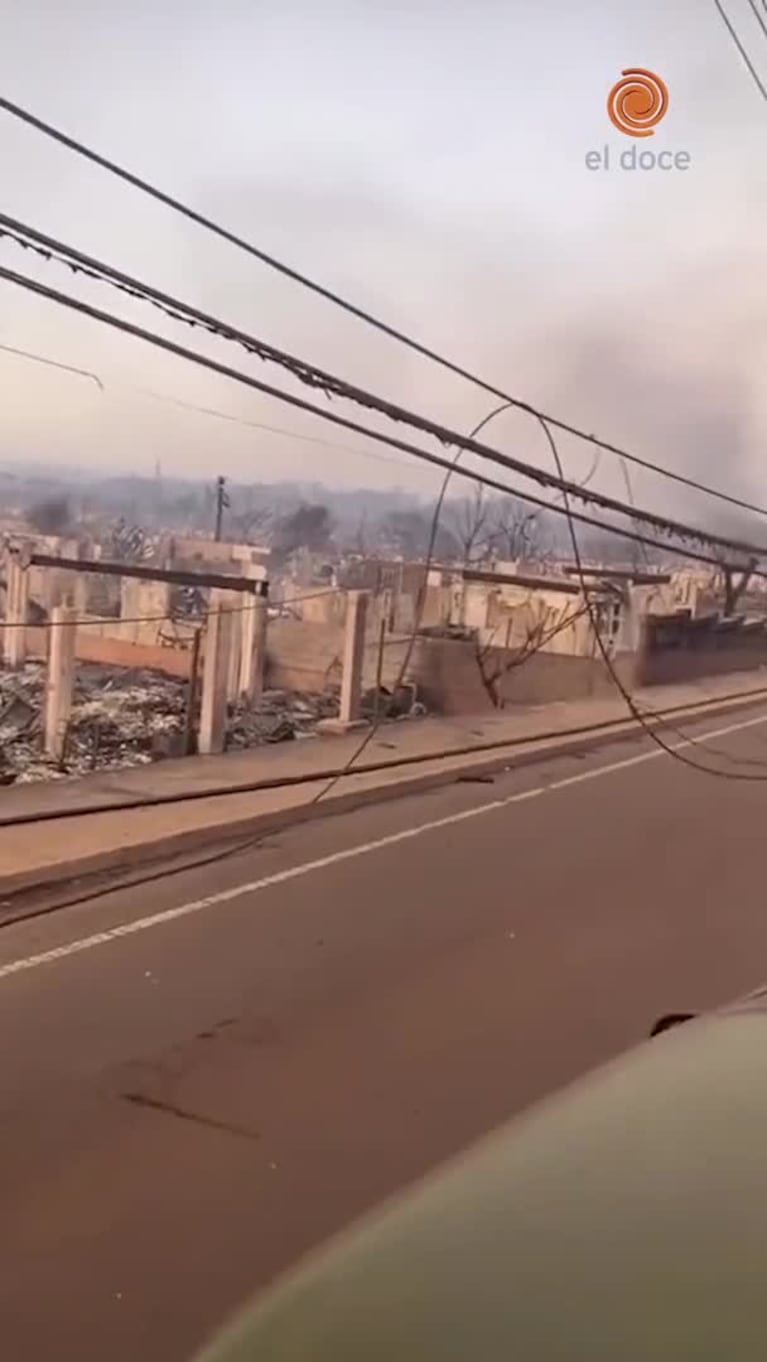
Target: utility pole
222	501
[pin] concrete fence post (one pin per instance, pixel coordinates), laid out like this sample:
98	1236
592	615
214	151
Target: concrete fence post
253	648
16	610
354	656
236	620
215	673
60	680
80	595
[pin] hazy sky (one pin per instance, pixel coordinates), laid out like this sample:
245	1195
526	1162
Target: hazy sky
427	159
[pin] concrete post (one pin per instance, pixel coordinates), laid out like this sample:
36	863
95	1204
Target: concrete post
354	656
253	650
129	609
235	652
628	636
60	683
81	595
215	673
16	607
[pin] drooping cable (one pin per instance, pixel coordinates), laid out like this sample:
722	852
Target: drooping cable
392	332
636	713
662	525
307	373
739	44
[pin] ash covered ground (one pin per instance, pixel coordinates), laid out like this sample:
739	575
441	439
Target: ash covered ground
121	718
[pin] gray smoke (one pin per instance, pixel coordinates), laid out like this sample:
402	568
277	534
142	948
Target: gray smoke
671	374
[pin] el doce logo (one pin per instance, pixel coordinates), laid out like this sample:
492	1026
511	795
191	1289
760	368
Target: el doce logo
637	102
636	105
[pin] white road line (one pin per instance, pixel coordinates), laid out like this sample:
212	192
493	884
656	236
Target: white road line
295	872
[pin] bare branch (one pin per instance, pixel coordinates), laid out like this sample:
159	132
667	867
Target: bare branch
470	520
539	632
516	531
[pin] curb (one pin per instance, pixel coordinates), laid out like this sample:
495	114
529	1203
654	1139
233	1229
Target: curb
22	894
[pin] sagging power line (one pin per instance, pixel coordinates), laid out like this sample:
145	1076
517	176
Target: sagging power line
361	314
672	529
316	378
52	364
638	715
244	421
741	48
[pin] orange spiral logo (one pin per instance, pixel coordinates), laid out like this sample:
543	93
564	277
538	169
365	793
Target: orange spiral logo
637	102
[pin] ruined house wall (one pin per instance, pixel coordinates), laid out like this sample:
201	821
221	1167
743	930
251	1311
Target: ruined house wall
144	608
317	606
676	649
192	553
450	678
115	652
558	624
165	633
303	656
309	657
320	606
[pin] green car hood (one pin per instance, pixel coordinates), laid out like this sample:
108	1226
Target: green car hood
622	1221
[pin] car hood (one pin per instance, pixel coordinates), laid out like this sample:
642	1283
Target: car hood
624	1219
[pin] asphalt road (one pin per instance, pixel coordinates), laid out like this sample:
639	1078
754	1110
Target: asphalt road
205	1077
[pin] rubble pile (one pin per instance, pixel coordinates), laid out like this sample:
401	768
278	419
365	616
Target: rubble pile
118	719
400	703
279	716
130	718
125	719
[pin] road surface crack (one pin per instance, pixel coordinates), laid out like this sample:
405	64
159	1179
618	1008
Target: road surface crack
140	1099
